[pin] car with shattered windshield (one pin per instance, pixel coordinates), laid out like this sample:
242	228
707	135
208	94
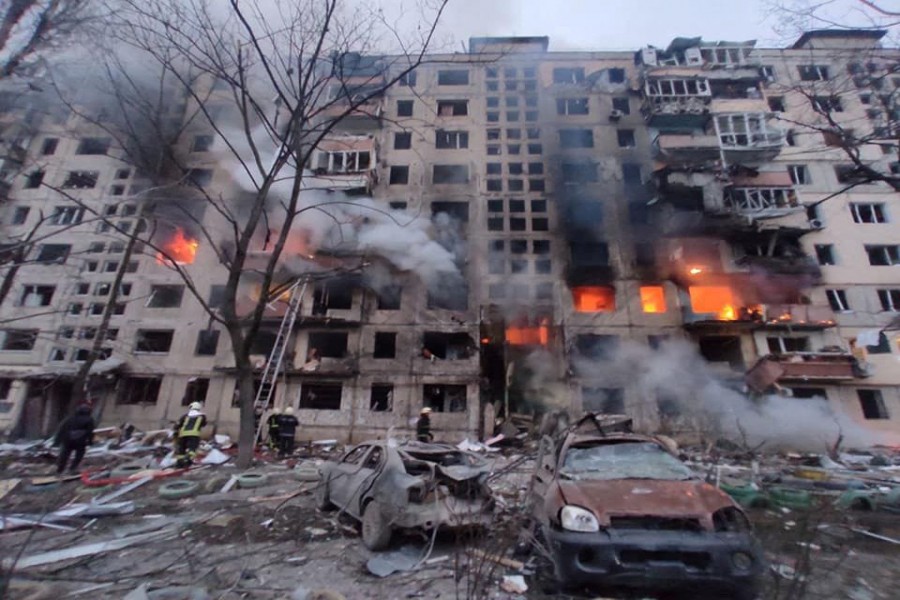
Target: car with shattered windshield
389	486
616	510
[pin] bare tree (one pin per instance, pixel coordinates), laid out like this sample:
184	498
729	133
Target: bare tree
271	81
30	28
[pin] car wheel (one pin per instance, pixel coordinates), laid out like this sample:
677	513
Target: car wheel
376	532
323	501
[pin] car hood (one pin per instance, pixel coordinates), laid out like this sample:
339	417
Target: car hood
655	497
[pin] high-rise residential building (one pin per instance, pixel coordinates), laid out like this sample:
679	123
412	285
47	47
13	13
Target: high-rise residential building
595	205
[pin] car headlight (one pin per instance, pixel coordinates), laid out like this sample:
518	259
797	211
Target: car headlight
575	518
742	561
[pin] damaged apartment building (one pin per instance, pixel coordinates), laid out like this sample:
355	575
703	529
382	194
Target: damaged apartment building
592	200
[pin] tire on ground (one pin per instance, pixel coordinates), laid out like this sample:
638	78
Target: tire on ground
173	490
376	531
127	470
252	480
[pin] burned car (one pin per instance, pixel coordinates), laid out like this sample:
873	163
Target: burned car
388	486
617	510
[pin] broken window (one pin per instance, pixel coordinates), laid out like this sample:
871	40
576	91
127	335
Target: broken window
139	390
385	344
207	342
578	173
451	140
199	177
594	299
838	300
34	179
776	103
799	174
453	77
53	253
653	298
57	354
201	143
868	212
450	174
153	340
813	72
631	174
195	391
784	344
712	299
444	398
596	346
389	297
321	396
407	79
332	296
676	87
872	404
572	106
18	340
453	108
882	347
49	145
625	138
81	179
576	138
568	75
67	215
343	161
165	296
603	400
20	215
589	254
402	140
404	108
399	175
890	299
93	145
382	397
808	393
617	75
37	295
667	405
622	105
883	256
449	346
328	344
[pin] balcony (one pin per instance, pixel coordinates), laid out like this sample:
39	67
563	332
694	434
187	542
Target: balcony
782	265
747	138
676	112
685	149
762	202
798	316
328	367
803	367
721	105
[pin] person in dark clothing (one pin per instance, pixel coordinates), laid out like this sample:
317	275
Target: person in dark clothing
272	423
75	434
423	426
187	435
287	428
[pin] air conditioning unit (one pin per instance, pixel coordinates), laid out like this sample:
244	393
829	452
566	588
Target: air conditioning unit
615	115
816	224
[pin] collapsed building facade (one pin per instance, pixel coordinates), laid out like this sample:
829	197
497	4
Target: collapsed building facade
589	199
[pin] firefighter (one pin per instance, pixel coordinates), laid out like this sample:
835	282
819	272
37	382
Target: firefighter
272	424
423	426
75	435
287	429
187	435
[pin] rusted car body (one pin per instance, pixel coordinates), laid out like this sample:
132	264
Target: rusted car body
617	510
389	486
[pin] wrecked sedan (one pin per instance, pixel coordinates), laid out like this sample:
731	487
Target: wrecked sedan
388	486
618	511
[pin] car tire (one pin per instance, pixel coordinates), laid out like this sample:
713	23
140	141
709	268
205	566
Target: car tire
323	500
376	531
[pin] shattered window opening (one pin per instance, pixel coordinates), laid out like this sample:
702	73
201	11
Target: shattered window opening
139	390
157	341
448	346
444	397
18	340
37	295
328	344
627	460
385	344
872	404
321	396
382	397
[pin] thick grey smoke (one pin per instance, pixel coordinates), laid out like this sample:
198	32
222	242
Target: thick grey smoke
709	406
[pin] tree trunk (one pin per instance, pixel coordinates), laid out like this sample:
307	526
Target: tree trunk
246	396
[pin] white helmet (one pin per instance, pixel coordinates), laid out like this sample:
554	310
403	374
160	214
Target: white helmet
289	410
196	406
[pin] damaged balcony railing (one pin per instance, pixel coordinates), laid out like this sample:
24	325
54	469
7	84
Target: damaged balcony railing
803	366
762	202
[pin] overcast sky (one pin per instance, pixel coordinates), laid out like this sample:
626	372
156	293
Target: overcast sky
630	24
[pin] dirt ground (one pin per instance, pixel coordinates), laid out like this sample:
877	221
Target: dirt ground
271	542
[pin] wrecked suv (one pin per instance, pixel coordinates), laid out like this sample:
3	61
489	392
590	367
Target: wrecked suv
616	510
412	485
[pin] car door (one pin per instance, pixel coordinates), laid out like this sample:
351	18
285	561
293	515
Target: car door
365	477
544	472
341	475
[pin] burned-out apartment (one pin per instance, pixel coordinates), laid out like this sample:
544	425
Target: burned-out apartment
596	205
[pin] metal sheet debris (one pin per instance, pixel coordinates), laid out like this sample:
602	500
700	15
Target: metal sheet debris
386	563
44	558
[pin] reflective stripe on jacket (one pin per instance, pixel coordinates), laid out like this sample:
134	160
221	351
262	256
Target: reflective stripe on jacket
191	426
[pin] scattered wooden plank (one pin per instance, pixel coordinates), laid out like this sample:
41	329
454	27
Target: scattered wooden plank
500	560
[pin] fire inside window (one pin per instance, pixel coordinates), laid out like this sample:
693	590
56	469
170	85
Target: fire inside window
713	299
594	299
527	334
179	248
653	299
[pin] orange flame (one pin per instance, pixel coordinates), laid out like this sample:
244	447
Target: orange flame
594	299
653	299
713	299
180	249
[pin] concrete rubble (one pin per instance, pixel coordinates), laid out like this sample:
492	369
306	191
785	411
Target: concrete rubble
827	523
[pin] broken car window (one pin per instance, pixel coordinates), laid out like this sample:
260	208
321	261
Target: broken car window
633	460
